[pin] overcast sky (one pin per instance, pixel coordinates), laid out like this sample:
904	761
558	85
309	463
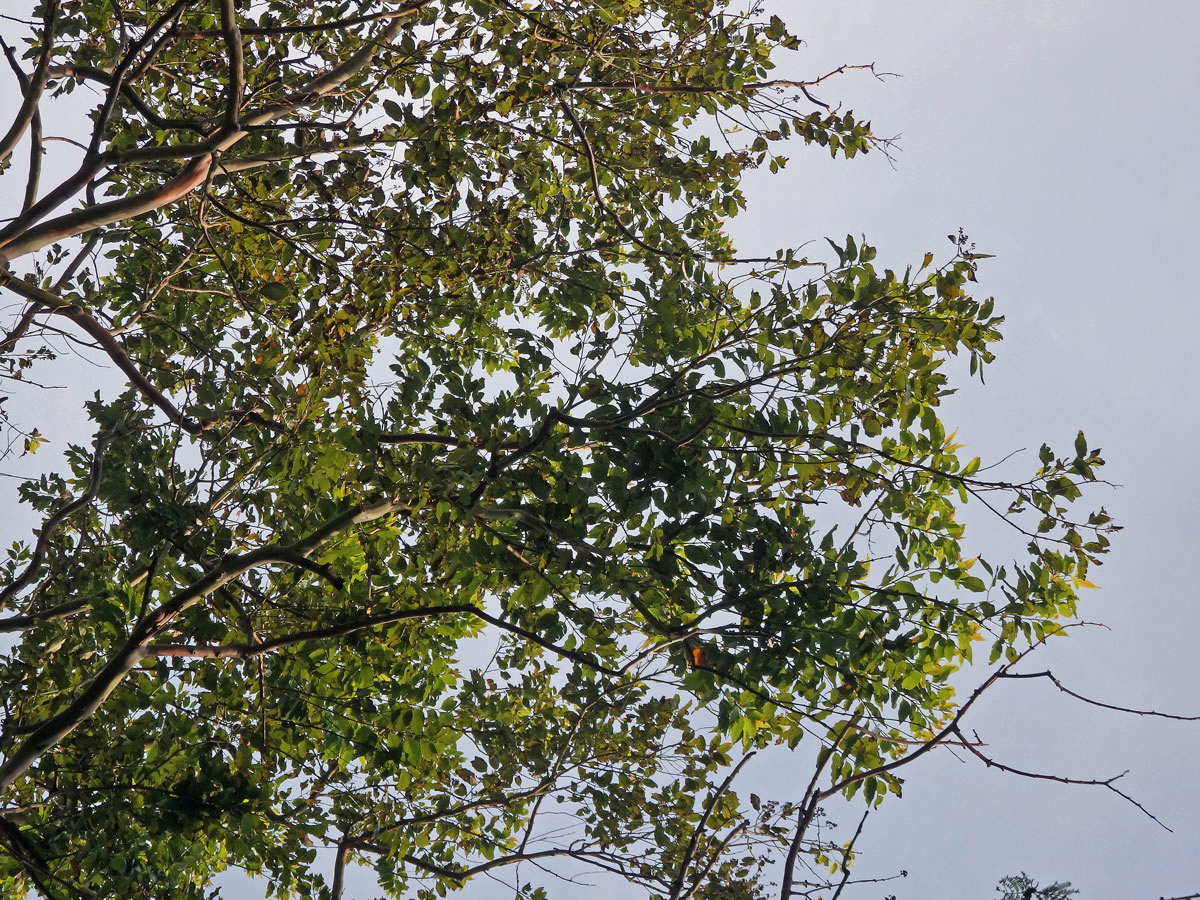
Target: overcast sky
1061	136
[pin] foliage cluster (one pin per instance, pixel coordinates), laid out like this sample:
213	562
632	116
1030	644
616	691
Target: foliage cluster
470	499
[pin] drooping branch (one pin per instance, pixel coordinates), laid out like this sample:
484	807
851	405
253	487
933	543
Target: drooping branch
950	730
1107	783
954	729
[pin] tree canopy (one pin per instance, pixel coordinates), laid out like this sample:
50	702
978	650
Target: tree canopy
469	499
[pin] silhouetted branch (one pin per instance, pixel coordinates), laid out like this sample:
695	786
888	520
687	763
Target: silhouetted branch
1125	709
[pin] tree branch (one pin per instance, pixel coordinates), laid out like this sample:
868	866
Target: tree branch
339	869
16	241
1062	779
47	530
46	735
237	64
111	346
248	651
62	611
33	91
1125	709
690	853
35	133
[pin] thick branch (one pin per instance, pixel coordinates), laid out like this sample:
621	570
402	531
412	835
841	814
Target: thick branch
62	611
33	92
339	869
19	243
35	133
237	64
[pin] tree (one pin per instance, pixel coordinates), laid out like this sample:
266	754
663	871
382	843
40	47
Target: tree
469	499
1022	887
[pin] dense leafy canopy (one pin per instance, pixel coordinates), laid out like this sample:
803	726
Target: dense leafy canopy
471	499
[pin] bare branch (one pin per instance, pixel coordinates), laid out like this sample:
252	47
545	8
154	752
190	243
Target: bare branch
35	133
1062	779
339	869
237	64
1125	709
847	852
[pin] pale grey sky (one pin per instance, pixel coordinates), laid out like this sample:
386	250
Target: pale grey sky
1061	137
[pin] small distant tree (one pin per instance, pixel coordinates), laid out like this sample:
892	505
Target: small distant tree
1022	887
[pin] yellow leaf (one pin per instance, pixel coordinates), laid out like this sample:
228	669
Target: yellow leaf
1084	583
